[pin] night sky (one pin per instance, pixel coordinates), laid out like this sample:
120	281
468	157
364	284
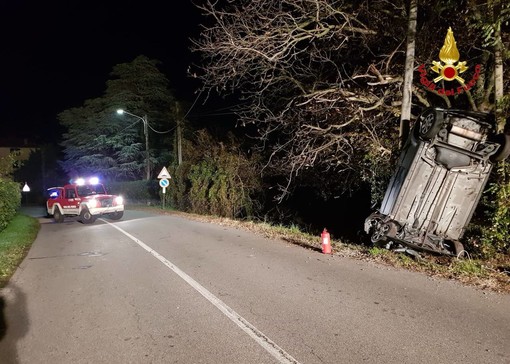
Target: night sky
56	54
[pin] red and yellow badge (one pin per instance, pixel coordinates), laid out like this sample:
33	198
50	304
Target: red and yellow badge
449	69
449	55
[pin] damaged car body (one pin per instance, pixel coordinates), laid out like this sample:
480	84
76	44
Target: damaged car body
441	174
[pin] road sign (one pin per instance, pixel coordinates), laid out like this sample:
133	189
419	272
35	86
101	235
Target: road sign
164	183
164	174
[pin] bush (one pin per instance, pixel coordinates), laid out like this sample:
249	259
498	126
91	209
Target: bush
177	193
216	178
10	200
497	234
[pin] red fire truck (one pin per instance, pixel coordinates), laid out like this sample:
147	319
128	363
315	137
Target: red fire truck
86	199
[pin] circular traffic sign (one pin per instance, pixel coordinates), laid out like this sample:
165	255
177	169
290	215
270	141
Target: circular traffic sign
164	183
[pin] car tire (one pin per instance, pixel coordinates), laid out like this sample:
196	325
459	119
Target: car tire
504	150
384	232
86	217
459	249
116	215
58	216
430	122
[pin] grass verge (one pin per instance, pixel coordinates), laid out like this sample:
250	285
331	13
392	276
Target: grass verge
15	241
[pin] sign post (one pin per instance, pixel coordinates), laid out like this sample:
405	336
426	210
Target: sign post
163	177
164	184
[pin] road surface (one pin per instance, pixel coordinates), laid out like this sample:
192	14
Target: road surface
164	289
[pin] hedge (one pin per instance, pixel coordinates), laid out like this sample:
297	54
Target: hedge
10	201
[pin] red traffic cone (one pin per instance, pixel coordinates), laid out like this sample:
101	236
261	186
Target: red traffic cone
326	244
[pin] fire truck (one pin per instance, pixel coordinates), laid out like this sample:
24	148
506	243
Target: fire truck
85	199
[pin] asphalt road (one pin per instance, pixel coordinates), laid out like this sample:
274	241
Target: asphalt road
164	289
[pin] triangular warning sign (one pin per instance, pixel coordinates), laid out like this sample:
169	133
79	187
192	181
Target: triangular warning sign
164	173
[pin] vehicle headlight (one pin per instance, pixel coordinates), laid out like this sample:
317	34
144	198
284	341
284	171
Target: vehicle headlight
119	200
93	203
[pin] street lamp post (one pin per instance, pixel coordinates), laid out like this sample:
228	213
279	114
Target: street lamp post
26	190
146	133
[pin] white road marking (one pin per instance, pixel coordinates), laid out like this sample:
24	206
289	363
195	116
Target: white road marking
270	346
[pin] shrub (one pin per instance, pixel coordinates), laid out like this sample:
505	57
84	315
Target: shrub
497	234
216	179
180	184
10	200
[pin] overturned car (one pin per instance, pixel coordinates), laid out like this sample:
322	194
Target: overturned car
441	173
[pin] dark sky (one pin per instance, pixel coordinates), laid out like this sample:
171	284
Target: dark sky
55	54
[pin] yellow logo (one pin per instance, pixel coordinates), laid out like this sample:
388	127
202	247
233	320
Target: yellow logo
449	54
448	69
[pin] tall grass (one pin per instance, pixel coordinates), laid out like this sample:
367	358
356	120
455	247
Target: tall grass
15	241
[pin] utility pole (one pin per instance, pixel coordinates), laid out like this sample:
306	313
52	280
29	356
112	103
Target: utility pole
179	133
147	154
179	142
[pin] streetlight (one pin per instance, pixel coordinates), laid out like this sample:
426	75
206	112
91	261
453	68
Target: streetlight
146	133
26	189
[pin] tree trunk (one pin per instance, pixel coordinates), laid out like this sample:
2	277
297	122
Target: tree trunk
405	115
498	70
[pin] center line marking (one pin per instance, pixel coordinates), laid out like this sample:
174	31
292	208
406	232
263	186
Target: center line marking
269	345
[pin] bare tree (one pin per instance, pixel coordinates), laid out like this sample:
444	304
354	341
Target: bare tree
407	88
488	20
320	79
498	19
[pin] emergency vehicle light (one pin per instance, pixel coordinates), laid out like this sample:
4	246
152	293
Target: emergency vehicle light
91	180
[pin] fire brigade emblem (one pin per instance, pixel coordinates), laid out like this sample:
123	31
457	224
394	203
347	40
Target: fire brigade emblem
450	67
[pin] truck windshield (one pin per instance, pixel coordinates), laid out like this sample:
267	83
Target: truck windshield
88	190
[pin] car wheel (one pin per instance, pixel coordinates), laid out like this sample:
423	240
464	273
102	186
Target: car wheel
116	215
378	237
57	216
458	249
430	123
504	150
86	217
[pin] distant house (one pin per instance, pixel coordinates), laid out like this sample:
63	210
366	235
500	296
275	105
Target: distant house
19	148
